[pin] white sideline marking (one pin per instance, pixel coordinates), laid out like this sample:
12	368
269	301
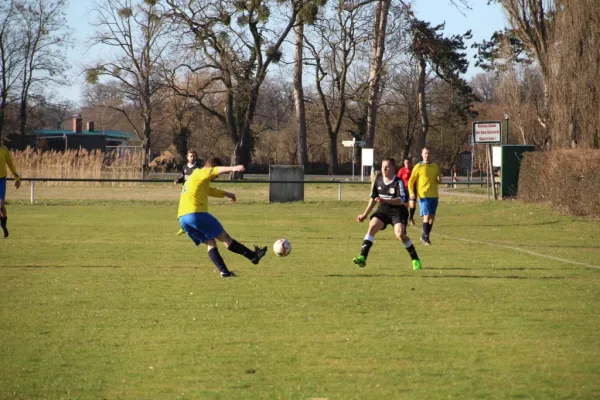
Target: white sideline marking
533	253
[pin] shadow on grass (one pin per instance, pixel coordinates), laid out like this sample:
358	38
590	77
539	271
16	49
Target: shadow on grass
63	266
517	224
386	276
494	277
563	246
500	269
417	275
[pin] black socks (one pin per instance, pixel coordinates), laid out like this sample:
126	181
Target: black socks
239	248
412	251
366	246
216	258
412	212
426	230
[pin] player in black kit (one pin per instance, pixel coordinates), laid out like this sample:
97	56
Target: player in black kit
192	164
391	195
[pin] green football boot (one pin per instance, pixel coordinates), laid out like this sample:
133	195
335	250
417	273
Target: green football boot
416	265
181	232
361	261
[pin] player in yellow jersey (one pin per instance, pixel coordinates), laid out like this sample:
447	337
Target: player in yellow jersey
5	160
200	225
423	183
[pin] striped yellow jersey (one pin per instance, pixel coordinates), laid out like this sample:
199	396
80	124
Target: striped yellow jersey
195	191
425	178
5	160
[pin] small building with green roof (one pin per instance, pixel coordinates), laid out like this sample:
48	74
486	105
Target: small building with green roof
77	138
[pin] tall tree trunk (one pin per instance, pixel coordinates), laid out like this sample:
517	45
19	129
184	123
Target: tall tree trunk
409	142
381	15
422	104
3	101
22	124
299	95
243	147
544	118
147	143
332	168
2	108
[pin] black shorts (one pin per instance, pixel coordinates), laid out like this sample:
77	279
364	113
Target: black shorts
397	216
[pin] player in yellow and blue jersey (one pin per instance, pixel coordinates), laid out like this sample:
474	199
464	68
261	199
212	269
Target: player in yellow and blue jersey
192	164
425	178
5	160
200	225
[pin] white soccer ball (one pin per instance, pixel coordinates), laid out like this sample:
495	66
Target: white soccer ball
282	247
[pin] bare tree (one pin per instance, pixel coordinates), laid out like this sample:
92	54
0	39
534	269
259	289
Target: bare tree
43	39
575	81
446	60
299	93
532	23
484	86
234	55
139	34
307	15
11	57
403	87
332	49
380	26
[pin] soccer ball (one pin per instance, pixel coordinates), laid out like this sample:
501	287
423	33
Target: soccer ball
282	247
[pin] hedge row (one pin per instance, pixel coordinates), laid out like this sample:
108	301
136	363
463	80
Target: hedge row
569	180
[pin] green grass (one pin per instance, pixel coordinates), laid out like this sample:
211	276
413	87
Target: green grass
100	300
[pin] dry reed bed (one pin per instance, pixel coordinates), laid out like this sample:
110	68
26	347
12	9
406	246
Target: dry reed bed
78	164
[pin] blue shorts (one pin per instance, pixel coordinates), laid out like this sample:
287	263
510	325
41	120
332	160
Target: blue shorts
2	188
428	206
200	226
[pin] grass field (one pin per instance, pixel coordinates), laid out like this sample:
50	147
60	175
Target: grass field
100	300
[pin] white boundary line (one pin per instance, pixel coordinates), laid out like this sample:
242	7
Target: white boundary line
533	253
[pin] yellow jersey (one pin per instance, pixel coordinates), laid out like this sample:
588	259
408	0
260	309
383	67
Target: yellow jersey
195	191
5	160
426	177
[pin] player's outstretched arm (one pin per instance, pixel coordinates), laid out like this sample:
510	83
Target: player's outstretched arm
236	168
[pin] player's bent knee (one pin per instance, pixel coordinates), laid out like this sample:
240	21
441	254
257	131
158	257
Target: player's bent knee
225	238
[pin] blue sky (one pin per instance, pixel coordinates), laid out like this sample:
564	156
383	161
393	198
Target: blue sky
482	19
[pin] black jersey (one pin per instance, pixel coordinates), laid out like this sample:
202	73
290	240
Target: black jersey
393	189
187	171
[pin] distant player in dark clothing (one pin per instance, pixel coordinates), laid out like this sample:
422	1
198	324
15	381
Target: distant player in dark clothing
390	193
192	164
404	174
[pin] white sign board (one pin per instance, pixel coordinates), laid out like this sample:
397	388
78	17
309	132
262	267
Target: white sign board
367	161
353	142
367	157
496	156
487	132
